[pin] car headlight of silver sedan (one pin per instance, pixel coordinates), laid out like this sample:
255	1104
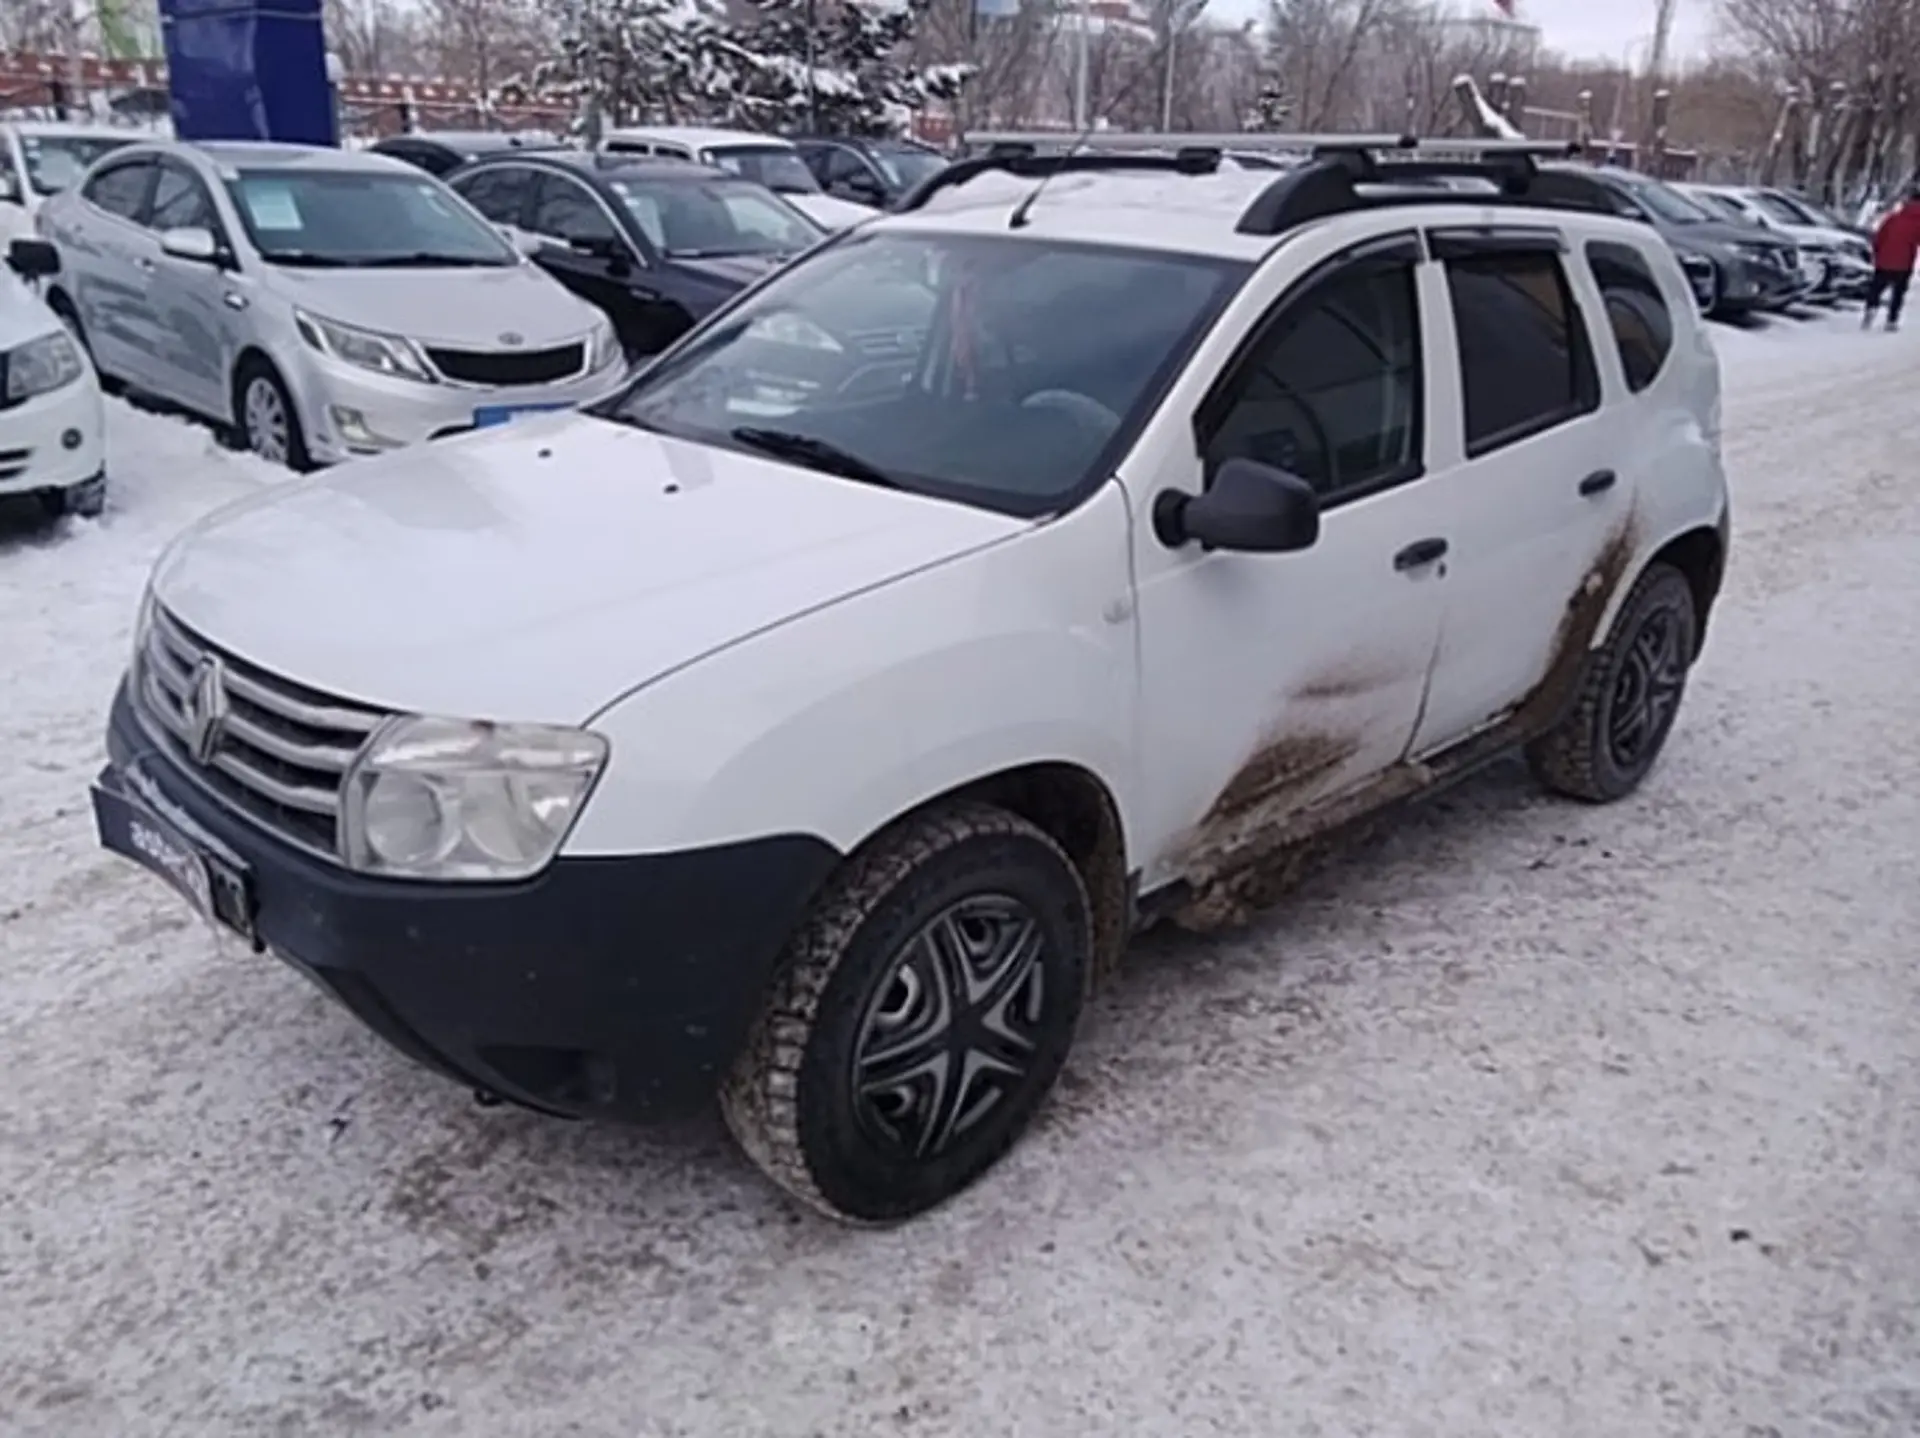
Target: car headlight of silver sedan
41	366
466	800
369	349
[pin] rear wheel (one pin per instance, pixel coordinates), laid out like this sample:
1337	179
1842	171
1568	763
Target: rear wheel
921	1017
1629	698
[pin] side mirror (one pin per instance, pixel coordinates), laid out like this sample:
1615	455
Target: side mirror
33	259
1250	507
861	187
190	243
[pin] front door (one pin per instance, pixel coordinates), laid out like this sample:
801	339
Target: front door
1529	466
1276	683
589	253
191	335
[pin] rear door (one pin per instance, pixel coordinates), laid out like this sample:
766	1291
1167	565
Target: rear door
102	241
1528	459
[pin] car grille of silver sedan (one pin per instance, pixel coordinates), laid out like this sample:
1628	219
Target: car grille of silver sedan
273	750
510	367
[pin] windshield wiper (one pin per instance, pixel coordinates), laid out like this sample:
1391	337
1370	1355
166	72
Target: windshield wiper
424	259
819	454
305	259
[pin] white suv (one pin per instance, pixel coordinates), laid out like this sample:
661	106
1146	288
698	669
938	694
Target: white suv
814	721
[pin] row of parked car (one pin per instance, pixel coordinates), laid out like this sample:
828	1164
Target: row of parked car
320	304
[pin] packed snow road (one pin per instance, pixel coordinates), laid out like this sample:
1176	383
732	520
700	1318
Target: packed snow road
1526	1119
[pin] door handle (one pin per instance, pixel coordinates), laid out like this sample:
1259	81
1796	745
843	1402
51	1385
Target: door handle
1420	553
145	265
1599	482
233	301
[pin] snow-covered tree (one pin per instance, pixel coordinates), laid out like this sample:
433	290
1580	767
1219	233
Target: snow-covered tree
835	65
643	61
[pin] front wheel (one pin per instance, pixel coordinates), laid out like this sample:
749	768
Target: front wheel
269	425
1629	698
922	1013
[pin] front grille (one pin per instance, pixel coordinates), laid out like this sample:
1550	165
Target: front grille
13	462
510	367
278	751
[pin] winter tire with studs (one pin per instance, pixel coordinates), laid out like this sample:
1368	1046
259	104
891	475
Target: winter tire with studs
921	1016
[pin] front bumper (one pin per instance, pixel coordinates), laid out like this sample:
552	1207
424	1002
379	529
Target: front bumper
605	987
347	411
1750	284
53	441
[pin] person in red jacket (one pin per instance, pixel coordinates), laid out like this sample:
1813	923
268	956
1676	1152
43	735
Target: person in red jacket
1895	245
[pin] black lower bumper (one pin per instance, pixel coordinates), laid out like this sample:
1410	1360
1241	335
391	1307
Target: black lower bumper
614	987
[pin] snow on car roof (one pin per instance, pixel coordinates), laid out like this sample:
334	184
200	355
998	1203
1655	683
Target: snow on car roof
699	137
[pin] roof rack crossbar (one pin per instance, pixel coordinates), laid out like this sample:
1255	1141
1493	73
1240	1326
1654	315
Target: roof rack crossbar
1009	158
1327	186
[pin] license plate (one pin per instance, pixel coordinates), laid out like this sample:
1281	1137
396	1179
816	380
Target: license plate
488	415
218	892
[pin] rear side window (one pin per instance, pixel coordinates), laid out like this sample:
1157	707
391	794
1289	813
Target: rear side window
499	194
121	190
1525	362
1636	311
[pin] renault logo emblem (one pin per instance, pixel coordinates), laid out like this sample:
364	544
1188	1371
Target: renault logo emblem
205	708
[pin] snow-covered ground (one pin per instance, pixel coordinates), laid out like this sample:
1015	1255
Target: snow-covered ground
1529	1120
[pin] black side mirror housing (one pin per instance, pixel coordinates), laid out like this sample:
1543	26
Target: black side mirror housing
1250	507
33	259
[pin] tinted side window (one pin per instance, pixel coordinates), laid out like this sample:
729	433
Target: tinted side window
566	211
844	165
180	203
496	193
1332	392
1637	311
121	190
1525	362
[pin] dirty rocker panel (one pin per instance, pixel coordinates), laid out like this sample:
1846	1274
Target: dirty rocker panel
616	987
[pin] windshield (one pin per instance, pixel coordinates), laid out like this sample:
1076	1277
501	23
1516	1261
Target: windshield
1785	213
362	218
55	161
775	166
995	370
907	168
719	217
1668	203
1724	206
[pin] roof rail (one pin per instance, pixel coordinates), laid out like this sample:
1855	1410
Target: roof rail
1013	158
1253	141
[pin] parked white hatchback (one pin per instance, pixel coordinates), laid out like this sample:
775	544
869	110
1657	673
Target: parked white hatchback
51	425
321	303
814	721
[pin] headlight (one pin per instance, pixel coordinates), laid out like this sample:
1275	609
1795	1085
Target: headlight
462	799
606	346
383	354
42	366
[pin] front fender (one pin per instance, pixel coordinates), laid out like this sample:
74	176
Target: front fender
836	723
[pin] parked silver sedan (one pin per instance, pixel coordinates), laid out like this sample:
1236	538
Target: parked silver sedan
322	303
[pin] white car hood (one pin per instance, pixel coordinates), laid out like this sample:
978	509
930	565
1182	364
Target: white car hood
23	314
540	572
466	308
830	210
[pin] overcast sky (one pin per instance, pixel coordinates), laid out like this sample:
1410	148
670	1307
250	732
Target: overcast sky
1606	27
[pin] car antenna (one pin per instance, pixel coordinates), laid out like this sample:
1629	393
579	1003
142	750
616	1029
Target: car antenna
1150	65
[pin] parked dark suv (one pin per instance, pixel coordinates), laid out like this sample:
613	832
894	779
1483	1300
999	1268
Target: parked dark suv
1735	269
869	172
